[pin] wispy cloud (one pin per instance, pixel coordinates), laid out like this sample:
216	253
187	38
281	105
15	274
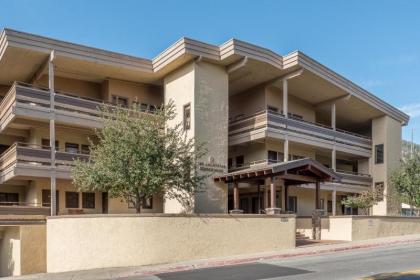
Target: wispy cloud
413	110
401	59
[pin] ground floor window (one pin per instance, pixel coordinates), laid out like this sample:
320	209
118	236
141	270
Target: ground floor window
72	200
88	200
9	198
148	203
292	204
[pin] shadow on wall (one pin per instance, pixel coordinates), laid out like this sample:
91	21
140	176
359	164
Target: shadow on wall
7	261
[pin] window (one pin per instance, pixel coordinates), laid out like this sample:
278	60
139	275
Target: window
187	116
85	149
46	199
148	203
272	109
239	161
143	107
72	148
45	142
88	200
72	200
121	101
379	154
292	204
152	108
272	156
379	189
329	206
229	163
9	198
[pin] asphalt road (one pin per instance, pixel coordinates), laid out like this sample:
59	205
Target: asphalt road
354	264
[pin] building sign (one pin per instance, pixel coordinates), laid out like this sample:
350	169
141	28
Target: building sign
212	166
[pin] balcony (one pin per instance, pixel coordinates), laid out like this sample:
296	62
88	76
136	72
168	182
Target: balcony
25	101
23	208
266	124
355	178
23	160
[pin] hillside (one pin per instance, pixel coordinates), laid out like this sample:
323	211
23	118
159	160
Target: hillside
406	148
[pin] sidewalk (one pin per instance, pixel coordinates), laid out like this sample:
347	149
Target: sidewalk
141	271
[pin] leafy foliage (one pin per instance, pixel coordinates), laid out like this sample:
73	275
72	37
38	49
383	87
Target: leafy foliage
137	155
363	200
406	181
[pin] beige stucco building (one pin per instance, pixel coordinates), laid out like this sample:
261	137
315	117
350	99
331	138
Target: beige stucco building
252	107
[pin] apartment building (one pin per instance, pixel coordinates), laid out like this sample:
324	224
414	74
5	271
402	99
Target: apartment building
282	132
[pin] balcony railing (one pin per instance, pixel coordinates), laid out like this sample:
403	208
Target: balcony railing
274	121
23	208
36	157
34	102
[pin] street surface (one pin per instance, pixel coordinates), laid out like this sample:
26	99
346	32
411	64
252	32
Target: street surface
354	264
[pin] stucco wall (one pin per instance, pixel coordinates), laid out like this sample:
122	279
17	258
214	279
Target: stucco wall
22	249
387	131
353	228
76	243
9	251
205	87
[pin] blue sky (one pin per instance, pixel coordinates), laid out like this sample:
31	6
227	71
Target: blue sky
374	43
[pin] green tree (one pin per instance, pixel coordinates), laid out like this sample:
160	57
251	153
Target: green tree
406	181
137	155
364	200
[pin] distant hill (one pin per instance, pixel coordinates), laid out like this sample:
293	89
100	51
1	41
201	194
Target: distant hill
406	148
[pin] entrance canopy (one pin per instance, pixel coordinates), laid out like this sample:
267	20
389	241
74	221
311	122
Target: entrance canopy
301	171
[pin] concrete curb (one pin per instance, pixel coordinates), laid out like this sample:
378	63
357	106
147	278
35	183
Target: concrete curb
245	260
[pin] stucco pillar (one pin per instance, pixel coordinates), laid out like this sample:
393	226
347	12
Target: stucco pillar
286	197
333	115
52	133
334	201
273	209
317	195
236	209
266	196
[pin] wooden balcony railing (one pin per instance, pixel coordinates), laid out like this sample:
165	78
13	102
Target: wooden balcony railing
23	208
36	98
270	120
36	155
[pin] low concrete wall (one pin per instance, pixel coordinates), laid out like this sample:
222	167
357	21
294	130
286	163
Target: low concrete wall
369	227
87	242
353	228
22	249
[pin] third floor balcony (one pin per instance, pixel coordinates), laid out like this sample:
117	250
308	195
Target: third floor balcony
267	124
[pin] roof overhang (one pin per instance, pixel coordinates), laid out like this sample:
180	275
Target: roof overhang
22	54
301	171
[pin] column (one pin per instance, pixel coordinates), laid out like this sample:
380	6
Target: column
333	116
266	196
286	115
334	158
334	201
272	194
286	197
236	209
273	207
317	195
52	133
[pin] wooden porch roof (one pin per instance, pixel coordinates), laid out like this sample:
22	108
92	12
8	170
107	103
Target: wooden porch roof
299	171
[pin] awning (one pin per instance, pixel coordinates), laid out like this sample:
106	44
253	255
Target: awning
299	171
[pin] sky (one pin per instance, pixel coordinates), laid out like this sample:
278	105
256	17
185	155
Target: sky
376	44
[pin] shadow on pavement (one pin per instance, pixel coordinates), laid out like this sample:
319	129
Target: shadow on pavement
408	275
235	272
